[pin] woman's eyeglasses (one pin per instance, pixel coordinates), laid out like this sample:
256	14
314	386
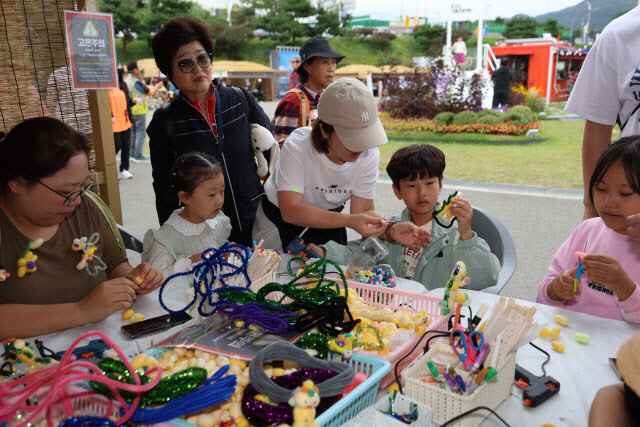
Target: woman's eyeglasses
69	198
187	65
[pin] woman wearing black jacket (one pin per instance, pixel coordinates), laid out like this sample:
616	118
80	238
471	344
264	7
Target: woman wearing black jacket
204	118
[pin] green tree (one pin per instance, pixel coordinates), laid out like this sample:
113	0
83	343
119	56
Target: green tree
520	28
124	19
328	21
551	26
283	17
229	41
429	38
499	20
161	11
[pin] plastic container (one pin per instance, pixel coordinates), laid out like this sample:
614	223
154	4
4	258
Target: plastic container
447	404
349	406
370	417
381	297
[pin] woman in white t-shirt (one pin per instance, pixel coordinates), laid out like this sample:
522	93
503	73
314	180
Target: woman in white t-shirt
323	166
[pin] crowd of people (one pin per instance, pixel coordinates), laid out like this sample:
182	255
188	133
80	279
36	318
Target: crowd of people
207	190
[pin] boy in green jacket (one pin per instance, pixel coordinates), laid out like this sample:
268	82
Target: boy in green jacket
416	172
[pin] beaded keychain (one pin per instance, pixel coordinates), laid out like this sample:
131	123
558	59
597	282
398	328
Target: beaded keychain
445	211
376	276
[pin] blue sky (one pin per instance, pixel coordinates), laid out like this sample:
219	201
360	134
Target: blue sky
439	8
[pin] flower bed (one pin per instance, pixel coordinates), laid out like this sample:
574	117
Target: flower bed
425	125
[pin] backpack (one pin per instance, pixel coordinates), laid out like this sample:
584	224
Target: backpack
305	107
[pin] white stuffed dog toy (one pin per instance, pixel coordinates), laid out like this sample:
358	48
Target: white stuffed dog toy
261	141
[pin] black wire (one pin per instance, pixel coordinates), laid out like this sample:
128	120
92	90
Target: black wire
470	411
395	368
544	372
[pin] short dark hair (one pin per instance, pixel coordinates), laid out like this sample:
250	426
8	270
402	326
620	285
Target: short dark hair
132	66
303	75
627	150
37	148
189	170
172	35
416	161
320	143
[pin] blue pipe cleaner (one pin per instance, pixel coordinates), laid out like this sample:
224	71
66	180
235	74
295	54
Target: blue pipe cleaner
84	421
205	273
214	390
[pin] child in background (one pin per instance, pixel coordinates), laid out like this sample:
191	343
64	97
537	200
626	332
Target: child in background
416	172
612	264
618	404
197	181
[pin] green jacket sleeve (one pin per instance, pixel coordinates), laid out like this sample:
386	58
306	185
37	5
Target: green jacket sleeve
340	254
482	267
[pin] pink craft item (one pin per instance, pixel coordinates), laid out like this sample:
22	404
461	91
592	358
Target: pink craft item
54	385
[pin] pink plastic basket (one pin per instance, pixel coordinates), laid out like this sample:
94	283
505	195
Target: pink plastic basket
381	297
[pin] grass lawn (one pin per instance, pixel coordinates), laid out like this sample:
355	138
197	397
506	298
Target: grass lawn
555	162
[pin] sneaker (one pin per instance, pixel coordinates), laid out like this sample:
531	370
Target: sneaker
125	174
138	159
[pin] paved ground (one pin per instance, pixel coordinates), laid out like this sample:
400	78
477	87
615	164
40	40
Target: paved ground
539	219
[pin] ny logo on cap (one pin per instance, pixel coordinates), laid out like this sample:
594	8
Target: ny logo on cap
364	116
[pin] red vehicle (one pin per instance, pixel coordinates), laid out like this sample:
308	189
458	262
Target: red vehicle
544	63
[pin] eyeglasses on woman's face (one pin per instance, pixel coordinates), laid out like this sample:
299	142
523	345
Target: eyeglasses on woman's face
187	65
70	197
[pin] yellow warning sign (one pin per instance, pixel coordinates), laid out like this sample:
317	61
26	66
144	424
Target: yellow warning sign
90	30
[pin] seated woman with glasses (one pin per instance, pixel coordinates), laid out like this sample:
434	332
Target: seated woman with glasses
61	264
207	119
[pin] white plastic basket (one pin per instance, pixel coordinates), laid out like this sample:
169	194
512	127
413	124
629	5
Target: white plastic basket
447	404
370	418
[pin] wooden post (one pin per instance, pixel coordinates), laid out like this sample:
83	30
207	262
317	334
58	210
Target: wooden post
104	146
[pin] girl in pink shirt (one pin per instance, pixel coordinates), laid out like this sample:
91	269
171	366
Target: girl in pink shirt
609	286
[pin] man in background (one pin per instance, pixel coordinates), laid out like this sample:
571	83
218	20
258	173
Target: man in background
139	93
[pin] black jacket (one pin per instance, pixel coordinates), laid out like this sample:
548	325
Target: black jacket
502	80
232	148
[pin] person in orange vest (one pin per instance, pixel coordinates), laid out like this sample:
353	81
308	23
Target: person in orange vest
121	122
298	107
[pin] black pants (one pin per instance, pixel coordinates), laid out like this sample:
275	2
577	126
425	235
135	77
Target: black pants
123	140
317	236
500	99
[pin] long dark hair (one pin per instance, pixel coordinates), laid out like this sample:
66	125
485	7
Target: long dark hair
627	150
37	148
189	170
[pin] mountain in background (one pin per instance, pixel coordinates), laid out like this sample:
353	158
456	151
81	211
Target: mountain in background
602	12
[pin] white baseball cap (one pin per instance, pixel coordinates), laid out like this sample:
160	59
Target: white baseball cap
349	106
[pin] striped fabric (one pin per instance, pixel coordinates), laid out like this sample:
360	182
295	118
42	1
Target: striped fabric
288	113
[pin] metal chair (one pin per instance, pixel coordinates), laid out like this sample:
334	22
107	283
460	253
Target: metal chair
131	240
488	227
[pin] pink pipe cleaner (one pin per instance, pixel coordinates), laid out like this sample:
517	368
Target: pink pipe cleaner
53	383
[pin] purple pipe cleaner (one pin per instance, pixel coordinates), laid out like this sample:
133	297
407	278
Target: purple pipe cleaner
263	414
273	320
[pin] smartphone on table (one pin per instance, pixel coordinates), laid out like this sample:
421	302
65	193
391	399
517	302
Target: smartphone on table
155	324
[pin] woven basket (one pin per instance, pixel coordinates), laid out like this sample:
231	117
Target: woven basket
447	404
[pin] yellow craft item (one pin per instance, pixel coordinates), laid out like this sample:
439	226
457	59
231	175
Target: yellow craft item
555	331
262	398
461	298
394	387
137	317
559	347
127	314
582	338
138	280
561	320
278	372
544	332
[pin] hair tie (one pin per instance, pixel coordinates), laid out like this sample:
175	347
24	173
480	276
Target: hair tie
284	350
